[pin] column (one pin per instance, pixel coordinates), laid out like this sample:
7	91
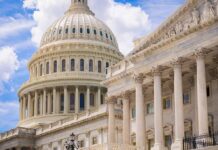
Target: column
36	104
158	112
21	109
88	98
24	107
111	121
77	100
140	112
41	104
201	94
54	101
66	101
126	118
28	105
44	102
49	103
99	97
178	99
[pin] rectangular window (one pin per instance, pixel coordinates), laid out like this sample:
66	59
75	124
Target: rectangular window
150	143
208	91
62	102
133	113
167	103
150	108
72	102
168	141
186	98
81	143
94	140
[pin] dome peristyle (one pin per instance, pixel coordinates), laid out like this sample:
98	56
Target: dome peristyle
79	23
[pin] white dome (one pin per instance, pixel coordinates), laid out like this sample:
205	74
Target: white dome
79	23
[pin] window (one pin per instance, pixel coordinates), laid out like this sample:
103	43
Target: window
101	33
92	100
88	30
90	65
208	91
81	64
62	102
102	99
36	71
66	31
74	30
167	103
63	65
106	35
107	66
60	31
81	30
41	70
38	107
168	141
72	68
82	102
111	38
95	32
99	66
72	102
47	68
150	143
55	66
133	113
94	140
81	143
210	124
150	108
186	98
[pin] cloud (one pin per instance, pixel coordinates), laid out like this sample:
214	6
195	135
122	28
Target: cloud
13	26
8	113
8	63
126	21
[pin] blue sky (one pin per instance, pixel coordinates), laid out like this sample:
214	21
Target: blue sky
17	46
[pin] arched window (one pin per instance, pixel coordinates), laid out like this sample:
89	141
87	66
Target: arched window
81	64
41	70
88	30
62	103
63	65
72	65
81	30
90	65
38	106
102	99
72	102
74	30
82	102
107	66
55	66
99	66
47	68
92	100
95	32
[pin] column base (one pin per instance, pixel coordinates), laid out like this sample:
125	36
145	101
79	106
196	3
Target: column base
177	145
159	147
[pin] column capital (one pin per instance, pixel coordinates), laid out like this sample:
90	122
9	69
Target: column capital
126	95
200	53
156	71
176	62
139	78
110	100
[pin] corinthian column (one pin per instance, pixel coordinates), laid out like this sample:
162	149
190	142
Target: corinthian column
49	103
44	102
140	112
111	120
24	107
55	111
77	100
88	98
66	101
21	109
29	105
36	104
201	94
126	118
178	98
158	112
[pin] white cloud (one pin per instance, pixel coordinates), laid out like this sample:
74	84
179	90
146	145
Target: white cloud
126	21
12	26
8	113
8	63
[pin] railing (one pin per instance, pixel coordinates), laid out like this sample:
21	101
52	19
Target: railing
112	147
198	142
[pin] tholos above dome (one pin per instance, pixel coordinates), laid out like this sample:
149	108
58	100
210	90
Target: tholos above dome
78	25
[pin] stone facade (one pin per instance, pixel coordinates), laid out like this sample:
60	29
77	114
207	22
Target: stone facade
163	91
